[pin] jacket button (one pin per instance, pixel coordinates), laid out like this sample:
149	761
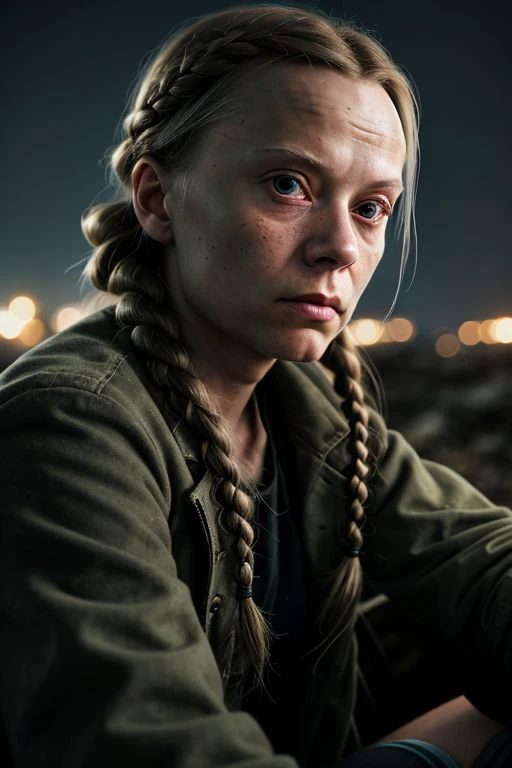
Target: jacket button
215	604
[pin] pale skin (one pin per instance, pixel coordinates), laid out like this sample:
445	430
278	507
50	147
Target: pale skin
260	228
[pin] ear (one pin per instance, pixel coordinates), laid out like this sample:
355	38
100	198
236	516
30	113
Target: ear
148	195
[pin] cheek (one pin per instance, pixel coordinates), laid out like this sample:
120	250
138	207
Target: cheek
252	246
365	268
377	255
374	261
372	255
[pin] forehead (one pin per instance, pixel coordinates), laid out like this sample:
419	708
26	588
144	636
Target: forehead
312	107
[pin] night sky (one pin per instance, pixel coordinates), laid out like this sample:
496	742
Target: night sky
67	71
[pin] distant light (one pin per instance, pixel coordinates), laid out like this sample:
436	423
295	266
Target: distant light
488	331
447	345
66	316
366	331
10	325
23	308
33	332
400	329
503	330
469	333
384	337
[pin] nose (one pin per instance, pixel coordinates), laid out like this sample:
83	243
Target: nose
332	243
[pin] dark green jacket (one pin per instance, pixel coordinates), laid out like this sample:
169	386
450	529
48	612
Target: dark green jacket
117	582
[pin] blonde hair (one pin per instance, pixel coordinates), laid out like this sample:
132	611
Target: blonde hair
190	84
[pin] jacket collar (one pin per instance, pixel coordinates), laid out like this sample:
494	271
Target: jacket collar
309	403
310	406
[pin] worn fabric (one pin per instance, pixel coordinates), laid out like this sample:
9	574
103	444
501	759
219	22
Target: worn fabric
117	591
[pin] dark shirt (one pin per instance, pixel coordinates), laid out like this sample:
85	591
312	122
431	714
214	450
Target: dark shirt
279	591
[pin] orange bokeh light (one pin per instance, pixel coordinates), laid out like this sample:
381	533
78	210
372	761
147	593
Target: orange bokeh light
447	345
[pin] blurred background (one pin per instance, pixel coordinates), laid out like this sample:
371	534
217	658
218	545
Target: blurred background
445	354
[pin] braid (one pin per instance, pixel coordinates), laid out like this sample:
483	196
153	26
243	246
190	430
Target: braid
342	359
346	367
155	334
205	65
198	69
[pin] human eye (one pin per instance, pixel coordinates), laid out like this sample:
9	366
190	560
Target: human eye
374	210
285	185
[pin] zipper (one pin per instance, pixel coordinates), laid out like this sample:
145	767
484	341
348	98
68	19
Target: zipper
205	617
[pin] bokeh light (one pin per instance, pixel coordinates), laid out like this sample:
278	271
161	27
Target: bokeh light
366	331
400	329
487	331
23	308
447	345
384	337
10	325
33	332
66	316
469	333
503	330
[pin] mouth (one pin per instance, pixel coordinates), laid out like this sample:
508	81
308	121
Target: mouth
318	299
316	307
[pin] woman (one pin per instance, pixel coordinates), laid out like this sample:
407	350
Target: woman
185	492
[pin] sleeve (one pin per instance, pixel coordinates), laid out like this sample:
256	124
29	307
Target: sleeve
445	551
104	661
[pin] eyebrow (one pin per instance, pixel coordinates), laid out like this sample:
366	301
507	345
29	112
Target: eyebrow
304	157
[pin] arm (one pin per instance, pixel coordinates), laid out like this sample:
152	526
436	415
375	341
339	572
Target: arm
440	546
103	657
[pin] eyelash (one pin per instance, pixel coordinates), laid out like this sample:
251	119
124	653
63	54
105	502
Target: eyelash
386	208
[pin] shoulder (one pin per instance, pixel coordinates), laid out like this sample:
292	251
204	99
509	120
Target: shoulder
313	409
87	375
85	393
322	381
93	356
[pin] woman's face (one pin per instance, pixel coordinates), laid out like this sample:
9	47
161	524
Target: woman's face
283	220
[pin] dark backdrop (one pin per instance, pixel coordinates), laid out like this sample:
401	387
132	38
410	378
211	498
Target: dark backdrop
66	72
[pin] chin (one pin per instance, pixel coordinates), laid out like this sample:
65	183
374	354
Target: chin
306	350
306	357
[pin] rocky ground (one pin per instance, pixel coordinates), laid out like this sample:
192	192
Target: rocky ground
455	411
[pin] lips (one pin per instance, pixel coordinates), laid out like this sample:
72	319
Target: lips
315	307
319	299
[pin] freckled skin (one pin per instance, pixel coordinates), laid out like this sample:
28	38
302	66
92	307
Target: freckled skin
258	245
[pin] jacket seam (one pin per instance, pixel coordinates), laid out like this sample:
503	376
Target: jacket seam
108	375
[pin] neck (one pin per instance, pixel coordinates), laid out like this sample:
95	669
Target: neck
229	373
234	398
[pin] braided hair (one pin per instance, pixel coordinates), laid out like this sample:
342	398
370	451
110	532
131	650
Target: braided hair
191	83
344	360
